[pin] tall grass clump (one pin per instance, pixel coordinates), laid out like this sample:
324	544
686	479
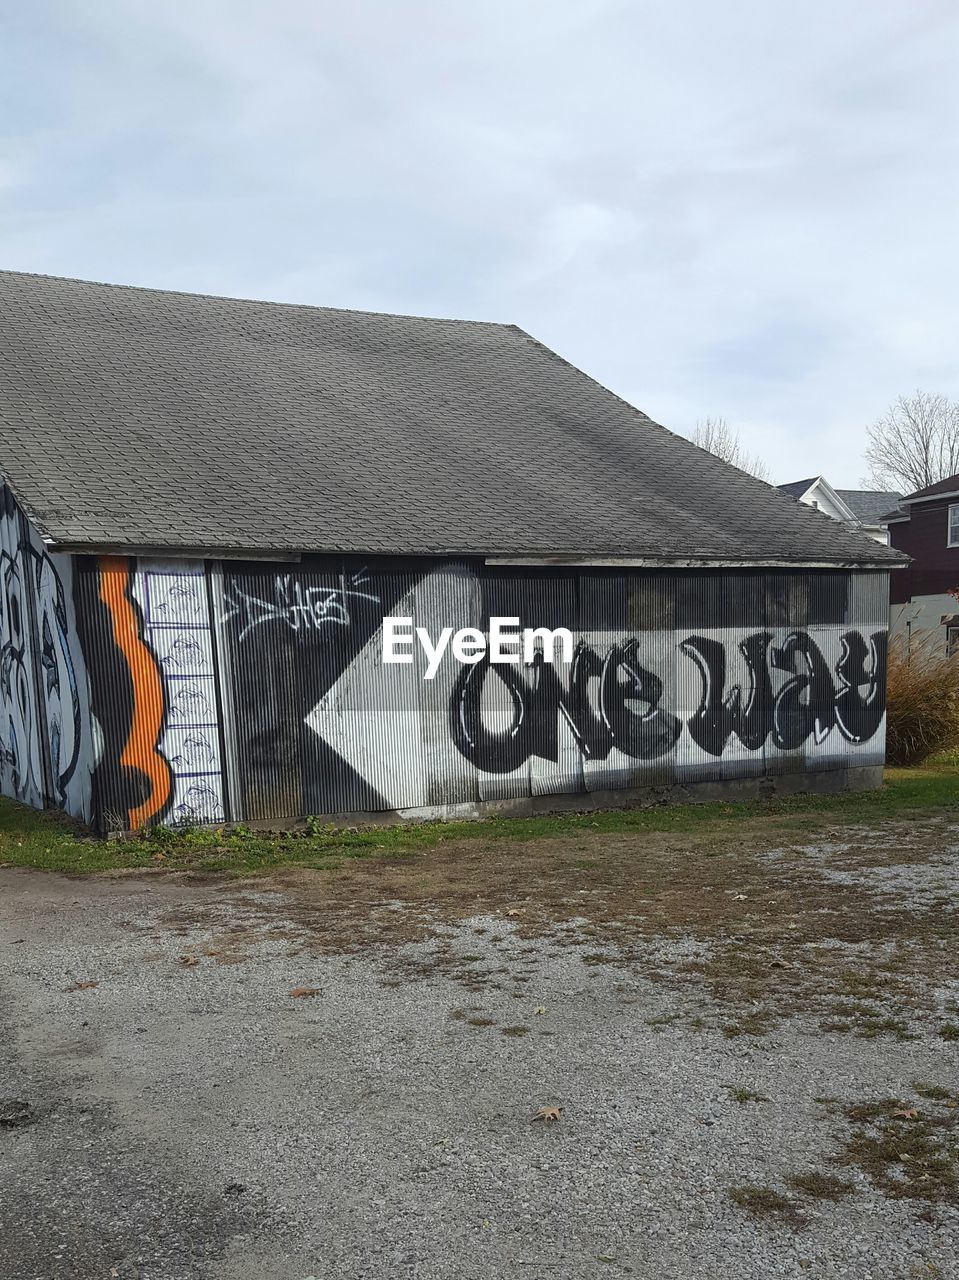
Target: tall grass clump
922	700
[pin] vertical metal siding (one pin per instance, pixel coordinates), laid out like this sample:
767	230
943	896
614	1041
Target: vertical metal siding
21	729
677	678
134	692
46	739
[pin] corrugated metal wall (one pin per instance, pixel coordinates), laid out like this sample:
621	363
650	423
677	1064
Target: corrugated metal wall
46	745
675	678
256	691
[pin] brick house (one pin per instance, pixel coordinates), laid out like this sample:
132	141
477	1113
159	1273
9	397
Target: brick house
924	597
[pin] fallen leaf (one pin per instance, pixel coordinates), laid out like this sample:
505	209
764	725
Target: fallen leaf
301	993
908	1114
548	1114
188	961
540	1008
512	911
81	986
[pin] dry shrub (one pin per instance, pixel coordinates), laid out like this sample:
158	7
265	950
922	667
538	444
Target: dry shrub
922	700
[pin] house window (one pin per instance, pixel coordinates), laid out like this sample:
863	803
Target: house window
952	640
953	525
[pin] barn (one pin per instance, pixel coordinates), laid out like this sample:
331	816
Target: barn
211	505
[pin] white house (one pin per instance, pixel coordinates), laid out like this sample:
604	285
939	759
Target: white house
861	509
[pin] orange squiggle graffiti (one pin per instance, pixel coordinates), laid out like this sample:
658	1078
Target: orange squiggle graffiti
146	722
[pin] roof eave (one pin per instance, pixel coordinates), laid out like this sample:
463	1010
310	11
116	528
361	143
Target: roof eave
696	562
572	559
930	497
155	552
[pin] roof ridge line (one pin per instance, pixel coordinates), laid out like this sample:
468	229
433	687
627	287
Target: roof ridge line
258	302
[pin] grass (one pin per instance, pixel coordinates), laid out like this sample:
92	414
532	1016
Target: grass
743	1096
751	1024
922	701
820	1186
784	898
49	842
935	1092
764	1202
907	1151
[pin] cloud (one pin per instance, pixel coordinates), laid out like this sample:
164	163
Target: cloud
743	211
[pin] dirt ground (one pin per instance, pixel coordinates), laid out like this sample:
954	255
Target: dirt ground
754	1049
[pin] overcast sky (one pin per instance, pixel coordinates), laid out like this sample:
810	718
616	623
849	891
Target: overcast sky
745	209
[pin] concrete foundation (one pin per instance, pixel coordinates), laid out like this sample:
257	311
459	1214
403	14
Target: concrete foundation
823	782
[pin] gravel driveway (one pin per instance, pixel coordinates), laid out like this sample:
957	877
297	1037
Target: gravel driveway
168	1109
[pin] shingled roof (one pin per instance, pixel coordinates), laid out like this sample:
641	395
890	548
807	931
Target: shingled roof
869	505
796	488
139	419
949	485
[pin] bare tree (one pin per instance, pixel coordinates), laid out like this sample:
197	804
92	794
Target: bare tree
914	443
715	435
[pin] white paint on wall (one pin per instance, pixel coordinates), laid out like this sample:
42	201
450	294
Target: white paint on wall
176	619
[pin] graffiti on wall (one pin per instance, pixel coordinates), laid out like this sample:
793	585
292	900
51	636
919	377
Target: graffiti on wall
62	684
130	706
46	750
613	701
324	726
301	607
815	698
155	698
21	775
285	639
137	673
176	619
